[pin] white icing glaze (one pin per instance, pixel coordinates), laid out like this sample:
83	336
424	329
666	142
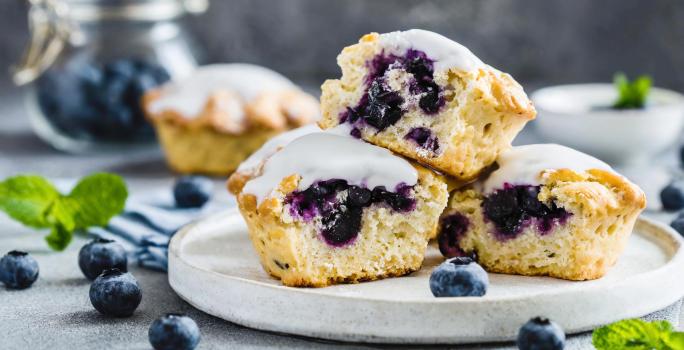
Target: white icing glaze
327	155
523	165
188	96
274	144
446	53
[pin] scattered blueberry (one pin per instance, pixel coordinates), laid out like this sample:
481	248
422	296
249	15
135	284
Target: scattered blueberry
459	277
115	293
85	101
341	218
512	208
18	270
672	196
174	332
192	191
678	224
424	138
99	255
541	334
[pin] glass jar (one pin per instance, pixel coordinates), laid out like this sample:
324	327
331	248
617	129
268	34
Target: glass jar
90	61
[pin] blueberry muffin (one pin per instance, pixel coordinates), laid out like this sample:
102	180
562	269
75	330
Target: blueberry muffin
428	98
328	208
211	121
547	210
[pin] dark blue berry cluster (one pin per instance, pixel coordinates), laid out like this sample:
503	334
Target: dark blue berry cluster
380	107
512	208
341	218
87	102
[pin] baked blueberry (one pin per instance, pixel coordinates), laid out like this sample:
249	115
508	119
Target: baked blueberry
541	334
99	255
342	225
459	277
672	196
115	293
174	332
424	138
384	106
512	208
192	191
452	228
18	270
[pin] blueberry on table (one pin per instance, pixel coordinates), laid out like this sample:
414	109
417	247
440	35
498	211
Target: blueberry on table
192	191
459	277
678	224
672	196
99	255
115	293
18	270
541	334
174	332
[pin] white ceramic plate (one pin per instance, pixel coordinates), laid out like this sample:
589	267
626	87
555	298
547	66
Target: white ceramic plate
212	266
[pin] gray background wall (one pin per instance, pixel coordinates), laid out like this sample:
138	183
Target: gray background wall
538	41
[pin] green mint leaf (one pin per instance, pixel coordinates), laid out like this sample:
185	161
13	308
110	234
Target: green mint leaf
636	335
96	199
631	95
675	340
59	237
35	202
28	199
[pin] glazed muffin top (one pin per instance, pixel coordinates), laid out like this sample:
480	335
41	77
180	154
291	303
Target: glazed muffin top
232	98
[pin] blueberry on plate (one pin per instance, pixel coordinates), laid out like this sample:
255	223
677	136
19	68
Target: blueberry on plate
678	224
101	254
115	293
192	191
174	332
541	334
459	277
672	196
18	270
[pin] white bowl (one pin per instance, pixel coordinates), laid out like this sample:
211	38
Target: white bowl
580	116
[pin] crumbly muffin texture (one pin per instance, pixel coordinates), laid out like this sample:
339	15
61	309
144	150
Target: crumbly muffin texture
456	121
574	225
306	251
229	124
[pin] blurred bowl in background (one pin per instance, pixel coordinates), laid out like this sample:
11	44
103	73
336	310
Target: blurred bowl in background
580	116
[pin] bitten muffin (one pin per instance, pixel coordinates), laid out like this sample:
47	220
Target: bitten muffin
547	210
428	98
329	209
210	122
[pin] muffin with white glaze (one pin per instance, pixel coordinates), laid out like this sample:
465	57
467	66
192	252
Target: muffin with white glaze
328	208
428	98
213	120
547	210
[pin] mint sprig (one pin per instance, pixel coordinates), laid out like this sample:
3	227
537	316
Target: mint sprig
638	335
35	202
631	94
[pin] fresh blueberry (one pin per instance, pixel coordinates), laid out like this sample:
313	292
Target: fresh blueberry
678	224
122	68
459	277
99	255
192	191
174	332
18	270
672	196
115	293
541	334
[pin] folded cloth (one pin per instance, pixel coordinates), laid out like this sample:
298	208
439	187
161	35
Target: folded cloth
146	227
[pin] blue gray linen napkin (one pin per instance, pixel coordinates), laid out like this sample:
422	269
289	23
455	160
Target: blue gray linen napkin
147	225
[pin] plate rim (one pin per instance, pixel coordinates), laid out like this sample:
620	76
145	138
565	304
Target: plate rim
664	236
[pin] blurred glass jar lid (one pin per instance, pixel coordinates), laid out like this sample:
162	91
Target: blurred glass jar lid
136	10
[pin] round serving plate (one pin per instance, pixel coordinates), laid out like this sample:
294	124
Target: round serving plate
213	267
